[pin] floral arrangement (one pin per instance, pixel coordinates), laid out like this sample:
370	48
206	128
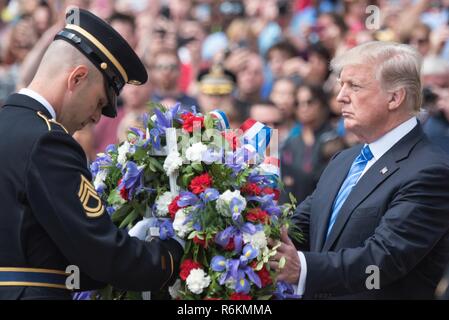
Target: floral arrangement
186	175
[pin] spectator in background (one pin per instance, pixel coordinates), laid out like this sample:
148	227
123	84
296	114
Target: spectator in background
420	38
42	18
191	38
331	31
437	125
125	25
20	41
302	160
249	82
284	98
277	56
314	71
216	87
164	75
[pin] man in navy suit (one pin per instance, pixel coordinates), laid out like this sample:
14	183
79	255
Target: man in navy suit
377	225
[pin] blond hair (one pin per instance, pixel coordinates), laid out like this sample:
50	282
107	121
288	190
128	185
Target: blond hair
397	66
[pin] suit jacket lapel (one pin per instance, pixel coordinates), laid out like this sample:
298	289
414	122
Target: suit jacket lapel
333	183
386	166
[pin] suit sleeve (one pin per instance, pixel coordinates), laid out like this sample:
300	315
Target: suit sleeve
64	203
301	219
416	220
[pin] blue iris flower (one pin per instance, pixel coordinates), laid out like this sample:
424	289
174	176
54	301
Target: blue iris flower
209	195
133	179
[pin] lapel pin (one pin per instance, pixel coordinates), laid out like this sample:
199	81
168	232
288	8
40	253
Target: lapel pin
384	170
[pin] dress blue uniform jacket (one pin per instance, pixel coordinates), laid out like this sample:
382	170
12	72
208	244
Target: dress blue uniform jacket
51	217
396	218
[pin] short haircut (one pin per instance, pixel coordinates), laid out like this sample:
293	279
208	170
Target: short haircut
284	46
397	66
122	17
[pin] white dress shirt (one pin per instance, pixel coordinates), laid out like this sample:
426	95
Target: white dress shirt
378	149
36	96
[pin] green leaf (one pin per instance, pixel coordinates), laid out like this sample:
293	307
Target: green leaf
115	198
121	213
209	122
186	179
156	164
197	167
129	219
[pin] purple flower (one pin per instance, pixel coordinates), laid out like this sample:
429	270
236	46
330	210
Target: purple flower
166	230
187	199
236	206
218	264
242	286
155	138
222	238
132	179
238	271
162	122
112	148
249	252
100	163
110	210
139	133
284	291
210	194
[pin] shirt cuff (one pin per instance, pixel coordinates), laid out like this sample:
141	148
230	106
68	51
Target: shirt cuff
303	275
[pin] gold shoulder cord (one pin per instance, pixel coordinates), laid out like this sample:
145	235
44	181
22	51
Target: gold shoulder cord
49	121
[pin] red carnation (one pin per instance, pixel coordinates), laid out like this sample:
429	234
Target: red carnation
123	192
173	207
272	191
187	266
257	215
200	183
265	277
189	120
251	189
200	242
240	296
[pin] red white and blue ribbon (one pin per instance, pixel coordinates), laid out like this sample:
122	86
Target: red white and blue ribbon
222	119
256	134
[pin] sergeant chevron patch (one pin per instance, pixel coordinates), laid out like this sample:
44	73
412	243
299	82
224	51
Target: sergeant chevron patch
92	204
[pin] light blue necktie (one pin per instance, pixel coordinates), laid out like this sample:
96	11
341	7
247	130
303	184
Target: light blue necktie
353	176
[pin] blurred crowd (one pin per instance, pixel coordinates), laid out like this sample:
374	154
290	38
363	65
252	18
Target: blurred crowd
268	60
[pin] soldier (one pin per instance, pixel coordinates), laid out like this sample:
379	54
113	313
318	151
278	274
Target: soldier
51	217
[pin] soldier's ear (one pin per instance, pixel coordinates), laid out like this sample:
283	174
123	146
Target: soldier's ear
77	76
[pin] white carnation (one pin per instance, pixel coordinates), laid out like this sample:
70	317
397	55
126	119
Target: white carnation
123	150
197	281
225	199
195	152
174	290
100	179
181	228
257	240
162	204
172	163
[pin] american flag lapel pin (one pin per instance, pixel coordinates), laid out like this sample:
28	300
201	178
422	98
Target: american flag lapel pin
384	170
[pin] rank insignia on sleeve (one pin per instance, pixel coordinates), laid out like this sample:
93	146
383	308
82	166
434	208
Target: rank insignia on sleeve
89	198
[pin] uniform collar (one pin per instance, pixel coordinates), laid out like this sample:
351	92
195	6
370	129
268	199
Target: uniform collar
36	96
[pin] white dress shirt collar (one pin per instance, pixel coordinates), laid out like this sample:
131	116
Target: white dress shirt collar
386	142
36	96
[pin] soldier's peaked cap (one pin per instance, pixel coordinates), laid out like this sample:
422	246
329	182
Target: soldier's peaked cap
107	50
